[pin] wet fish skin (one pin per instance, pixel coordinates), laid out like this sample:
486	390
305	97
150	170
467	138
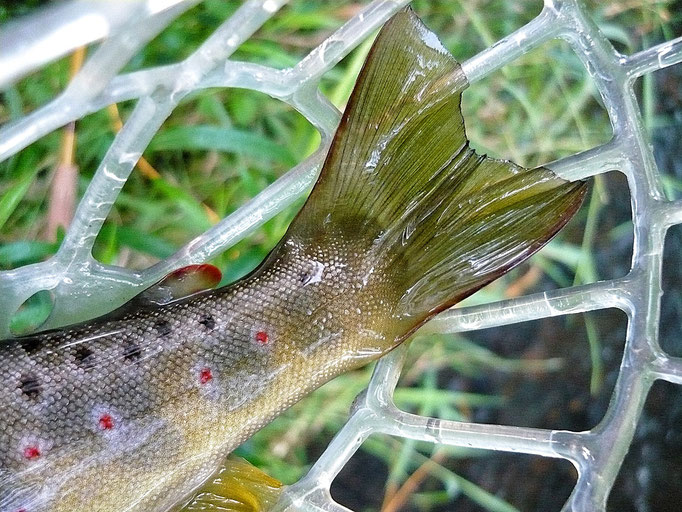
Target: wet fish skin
181	386
134	411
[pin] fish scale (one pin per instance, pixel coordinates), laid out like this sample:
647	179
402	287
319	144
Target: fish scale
135	410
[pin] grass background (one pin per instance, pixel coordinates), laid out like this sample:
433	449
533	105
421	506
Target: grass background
221	147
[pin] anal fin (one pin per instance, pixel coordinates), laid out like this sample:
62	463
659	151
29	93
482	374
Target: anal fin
237	487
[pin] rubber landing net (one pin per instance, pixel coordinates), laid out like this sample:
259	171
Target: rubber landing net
75	278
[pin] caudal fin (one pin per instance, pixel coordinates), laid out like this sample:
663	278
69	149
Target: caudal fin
401	175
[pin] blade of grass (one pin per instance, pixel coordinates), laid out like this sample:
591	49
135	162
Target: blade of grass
205	137
24	252
402	495
188	204
64	186
12	195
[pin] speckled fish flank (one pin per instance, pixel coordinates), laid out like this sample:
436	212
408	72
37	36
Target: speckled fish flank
133	411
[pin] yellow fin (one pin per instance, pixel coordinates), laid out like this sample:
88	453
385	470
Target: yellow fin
237	487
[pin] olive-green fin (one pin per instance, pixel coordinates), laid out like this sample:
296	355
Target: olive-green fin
237	487
400	175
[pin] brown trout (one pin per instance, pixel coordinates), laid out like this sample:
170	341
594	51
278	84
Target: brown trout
135	410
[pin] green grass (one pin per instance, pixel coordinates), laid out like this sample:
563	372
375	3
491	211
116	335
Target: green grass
221	147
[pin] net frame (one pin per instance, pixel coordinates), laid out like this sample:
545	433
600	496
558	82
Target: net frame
73	275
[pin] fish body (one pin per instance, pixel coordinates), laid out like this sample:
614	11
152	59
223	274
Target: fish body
154	400
133	411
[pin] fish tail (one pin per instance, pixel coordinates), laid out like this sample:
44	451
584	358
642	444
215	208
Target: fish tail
401	181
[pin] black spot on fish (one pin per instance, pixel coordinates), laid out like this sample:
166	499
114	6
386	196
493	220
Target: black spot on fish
208	321
131	351
163	327
85	358
30	386
30	344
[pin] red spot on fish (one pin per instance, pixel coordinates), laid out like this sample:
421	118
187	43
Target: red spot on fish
205	376
262	337
31	452
106	422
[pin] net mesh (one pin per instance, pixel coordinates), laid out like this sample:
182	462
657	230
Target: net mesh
75	278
